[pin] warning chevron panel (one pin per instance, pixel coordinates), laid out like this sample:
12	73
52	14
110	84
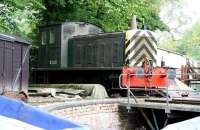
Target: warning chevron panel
140	44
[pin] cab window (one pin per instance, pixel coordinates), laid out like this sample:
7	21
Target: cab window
51	37
44	38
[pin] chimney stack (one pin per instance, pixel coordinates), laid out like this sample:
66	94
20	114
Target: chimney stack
134	23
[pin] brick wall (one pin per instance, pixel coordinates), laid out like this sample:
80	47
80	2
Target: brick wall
104	116
72	112
96	117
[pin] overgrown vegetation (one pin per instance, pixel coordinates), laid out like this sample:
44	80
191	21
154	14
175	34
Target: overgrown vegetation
19	16
111	15
184	31
190	43
22	17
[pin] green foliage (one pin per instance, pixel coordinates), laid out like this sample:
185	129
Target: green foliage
7	24
19	16
190	43
22	17
111	15
173	13
169	44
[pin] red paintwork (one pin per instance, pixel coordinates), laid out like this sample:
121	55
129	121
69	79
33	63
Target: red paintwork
158	79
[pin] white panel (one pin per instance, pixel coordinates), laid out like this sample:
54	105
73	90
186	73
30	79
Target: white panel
171	59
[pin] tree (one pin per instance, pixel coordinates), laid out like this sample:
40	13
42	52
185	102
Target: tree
22	17
19	16
166	40
190	43
111	15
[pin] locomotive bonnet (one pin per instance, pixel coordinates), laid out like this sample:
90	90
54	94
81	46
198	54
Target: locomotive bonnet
138	45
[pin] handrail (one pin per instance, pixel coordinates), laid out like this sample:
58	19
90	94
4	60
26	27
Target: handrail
129	92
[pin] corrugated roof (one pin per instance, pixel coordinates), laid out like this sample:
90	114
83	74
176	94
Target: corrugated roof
12	38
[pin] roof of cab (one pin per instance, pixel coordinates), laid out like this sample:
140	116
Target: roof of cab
67	22
12	38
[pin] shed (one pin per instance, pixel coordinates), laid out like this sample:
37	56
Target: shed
14	63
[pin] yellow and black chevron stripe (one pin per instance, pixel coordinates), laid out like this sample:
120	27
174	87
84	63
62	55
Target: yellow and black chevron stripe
140	44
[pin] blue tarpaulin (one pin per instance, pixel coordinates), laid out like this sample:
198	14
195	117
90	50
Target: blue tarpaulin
23	112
